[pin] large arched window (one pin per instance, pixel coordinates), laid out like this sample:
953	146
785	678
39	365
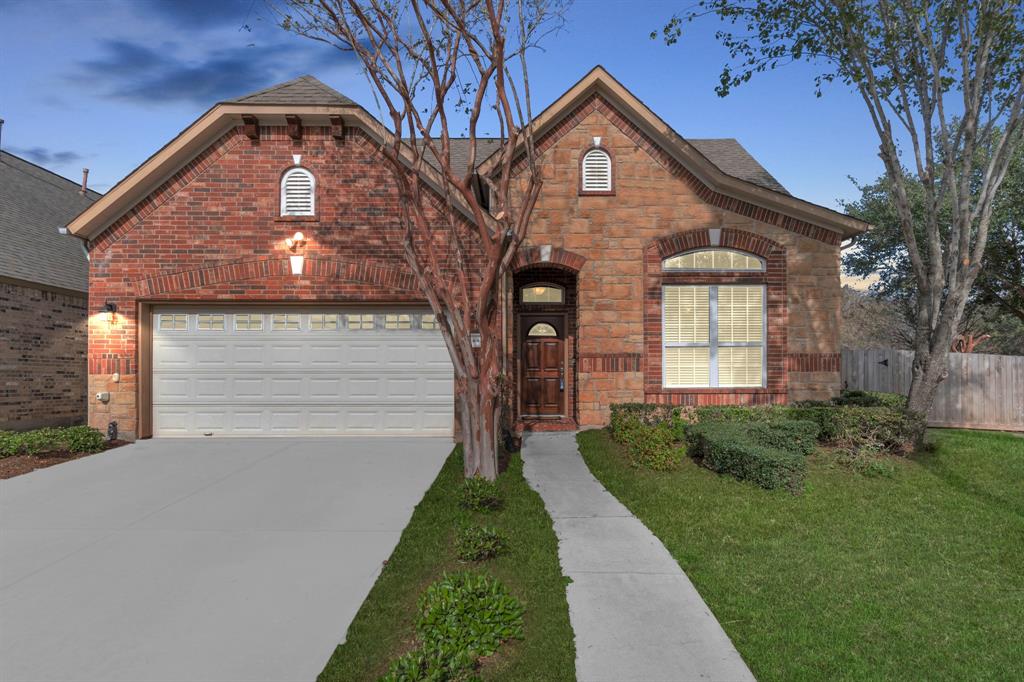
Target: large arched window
298	192
596	171
713	335
713	259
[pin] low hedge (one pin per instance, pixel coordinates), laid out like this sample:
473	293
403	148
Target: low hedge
732	448
798	436
880	427
76	439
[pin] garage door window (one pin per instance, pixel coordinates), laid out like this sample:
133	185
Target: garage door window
397	321
246	322
210	322
285	322
359	321
175	322
428	321
321	322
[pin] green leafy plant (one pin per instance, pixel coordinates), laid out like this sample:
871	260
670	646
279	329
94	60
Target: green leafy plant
76	439
652	445
479	543
462	617
479	494
82	439
727	447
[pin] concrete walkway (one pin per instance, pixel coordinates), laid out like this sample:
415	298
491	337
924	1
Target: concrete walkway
635	613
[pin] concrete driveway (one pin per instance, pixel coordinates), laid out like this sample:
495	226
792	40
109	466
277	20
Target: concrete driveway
179	560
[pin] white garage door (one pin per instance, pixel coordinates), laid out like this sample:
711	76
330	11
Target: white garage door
290	371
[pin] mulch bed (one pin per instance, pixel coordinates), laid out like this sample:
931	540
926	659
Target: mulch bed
22	464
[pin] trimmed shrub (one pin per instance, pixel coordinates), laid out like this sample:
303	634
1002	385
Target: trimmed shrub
77	439
792	435
479	543
847	427
654	446
82	439
726	447
893	401
479	494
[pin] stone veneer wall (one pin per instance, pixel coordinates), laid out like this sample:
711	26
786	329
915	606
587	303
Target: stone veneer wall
653	199
42	357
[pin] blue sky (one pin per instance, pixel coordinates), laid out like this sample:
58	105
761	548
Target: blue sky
104	84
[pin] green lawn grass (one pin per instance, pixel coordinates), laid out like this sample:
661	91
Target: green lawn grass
384	627
917	576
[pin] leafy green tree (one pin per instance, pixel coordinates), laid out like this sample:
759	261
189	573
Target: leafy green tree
999	287
936	79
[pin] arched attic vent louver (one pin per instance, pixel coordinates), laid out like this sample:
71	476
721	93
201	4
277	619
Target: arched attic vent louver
298	195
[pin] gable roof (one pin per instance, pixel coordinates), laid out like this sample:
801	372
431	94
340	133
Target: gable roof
721	164
756	193
301	90
34	202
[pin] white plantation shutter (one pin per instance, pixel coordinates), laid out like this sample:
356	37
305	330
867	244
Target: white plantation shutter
687	366
739	366
740	314
713	336
687	314
297	192
597	171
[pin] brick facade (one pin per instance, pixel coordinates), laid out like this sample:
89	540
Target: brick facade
42	357
659	208
212	232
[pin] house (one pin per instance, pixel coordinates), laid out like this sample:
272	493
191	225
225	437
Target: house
43	284
656	269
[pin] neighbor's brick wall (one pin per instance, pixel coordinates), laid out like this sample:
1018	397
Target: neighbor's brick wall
213	232
654	199
42	357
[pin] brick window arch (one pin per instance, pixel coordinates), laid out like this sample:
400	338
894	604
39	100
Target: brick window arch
731	349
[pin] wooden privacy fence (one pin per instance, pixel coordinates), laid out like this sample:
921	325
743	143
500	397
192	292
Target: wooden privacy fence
981	391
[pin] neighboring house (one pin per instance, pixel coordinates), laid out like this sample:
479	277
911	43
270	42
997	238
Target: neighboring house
656	269
43	284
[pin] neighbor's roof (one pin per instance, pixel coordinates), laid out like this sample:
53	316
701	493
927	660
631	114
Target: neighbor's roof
302	90
34	202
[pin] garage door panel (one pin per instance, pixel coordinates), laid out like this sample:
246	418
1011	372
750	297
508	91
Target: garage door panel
236	381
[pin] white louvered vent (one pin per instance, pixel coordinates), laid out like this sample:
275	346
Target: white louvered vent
297	192
597	171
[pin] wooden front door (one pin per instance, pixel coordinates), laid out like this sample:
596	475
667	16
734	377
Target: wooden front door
543	363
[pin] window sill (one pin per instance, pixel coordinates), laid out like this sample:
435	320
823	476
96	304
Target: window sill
715	389
297	219
586	193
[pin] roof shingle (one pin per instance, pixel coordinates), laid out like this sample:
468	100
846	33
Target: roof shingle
34	202
302	90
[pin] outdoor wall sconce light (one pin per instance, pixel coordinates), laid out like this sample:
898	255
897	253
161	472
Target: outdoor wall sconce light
109	309
294	242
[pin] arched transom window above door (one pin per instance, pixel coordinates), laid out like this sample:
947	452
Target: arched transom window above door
713	259
542	329
542	293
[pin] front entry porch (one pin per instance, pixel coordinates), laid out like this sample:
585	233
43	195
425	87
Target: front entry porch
544	349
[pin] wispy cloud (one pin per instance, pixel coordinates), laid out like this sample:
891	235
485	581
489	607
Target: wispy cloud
46	157
139	73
